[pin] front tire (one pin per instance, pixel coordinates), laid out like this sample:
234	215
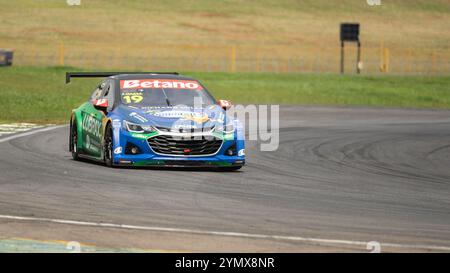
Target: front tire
108	147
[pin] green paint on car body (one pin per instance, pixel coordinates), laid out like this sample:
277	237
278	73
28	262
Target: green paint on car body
223	136
90	124
144	135
148	163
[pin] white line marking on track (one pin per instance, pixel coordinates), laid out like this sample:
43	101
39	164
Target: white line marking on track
11	128
5	139
222	233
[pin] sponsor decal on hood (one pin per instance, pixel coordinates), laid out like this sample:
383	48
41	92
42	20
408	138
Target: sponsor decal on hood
198	118
169	116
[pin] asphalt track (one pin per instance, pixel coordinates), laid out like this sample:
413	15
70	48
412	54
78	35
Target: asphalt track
341	177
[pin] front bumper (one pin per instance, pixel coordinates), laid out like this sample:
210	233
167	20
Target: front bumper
180	162
147	157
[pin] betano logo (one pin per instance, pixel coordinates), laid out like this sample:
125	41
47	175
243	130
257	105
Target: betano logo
158	83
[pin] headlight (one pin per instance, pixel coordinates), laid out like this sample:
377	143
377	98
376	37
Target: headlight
137	128
228	128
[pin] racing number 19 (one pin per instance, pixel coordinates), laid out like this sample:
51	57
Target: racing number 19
135	99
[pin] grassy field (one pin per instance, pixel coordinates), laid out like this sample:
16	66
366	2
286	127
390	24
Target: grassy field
412	29
143	22
40	95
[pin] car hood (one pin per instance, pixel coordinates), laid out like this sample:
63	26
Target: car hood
176	117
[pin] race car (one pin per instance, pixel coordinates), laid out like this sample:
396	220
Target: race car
155	119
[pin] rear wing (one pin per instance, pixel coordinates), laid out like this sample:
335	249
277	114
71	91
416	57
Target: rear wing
70	75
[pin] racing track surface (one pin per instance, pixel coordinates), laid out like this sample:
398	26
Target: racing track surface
340	173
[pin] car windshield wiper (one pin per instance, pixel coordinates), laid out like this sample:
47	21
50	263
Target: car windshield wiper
167	98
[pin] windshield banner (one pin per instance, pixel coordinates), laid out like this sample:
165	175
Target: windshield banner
160	83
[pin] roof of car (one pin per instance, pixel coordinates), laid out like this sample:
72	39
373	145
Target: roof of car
150	76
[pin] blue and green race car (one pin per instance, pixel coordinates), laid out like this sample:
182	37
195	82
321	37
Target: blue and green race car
155	119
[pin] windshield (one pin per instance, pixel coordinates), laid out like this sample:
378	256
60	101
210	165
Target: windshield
163	93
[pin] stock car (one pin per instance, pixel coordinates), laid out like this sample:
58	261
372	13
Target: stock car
154	119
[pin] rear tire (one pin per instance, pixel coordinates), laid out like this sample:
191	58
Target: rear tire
74	140
108	147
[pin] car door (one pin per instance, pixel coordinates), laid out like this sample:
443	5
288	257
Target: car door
92	123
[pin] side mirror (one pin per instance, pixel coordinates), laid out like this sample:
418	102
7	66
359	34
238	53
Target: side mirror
224	104
101	104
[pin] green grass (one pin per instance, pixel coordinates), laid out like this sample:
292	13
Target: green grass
40	95
327	89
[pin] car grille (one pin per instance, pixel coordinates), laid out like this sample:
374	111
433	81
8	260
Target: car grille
199	145
182	130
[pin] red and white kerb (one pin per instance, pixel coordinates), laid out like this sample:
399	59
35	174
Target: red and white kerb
160	83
